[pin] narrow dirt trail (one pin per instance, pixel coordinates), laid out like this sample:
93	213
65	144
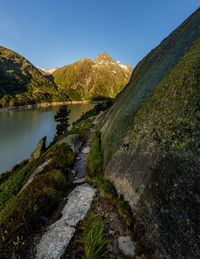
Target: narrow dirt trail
58	235
51	235
79	165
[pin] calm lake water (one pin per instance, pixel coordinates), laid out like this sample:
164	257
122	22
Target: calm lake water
20	131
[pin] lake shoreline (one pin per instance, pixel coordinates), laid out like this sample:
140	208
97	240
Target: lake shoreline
21	128
38	105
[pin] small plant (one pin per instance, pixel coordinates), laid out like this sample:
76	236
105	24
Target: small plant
106	187
94	242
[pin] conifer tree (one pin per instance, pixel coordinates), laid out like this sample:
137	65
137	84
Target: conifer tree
62	119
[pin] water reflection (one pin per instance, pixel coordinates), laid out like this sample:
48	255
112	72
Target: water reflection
20	130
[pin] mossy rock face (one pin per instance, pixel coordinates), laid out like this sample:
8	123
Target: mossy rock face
150	140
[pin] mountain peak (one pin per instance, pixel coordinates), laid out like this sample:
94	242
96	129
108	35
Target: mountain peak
101	58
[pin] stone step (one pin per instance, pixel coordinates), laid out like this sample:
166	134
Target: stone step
54	242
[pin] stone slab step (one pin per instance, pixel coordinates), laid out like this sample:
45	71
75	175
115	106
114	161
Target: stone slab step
54	242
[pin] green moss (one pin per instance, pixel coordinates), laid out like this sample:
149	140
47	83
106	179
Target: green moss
150	74
63	157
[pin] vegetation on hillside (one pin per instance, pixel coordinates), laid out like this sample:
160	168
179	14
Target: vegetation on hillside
21	83
21	208
86	79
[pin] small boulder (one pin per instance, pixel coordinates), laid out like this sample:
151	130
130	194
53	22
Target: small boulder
39	149
73	172
73	141
126	245
86	150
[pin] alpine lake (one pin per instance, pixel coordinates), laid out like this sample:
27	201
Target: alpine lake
21	129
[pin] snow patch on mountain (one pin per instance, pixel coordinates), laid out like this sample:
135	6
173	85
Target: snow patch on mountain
47	71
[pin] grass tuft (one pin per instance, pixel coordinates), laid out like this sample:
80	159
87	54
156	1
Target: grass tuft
94	242
94	159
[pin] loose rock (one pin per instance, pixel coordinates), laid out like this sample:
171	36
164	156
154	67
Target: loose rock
126	245
86	150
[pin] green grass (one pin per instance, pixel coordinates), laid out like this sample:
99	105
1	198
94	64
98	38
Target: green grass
63	157
10	187
94	159
94	168
37	199
105	187
94	242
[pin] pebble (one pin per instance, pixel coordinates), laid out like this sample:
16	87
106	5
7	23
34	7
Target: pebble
126	245
73	172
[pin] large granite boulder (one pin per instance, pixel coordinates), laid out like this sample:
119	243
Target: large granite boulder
150	141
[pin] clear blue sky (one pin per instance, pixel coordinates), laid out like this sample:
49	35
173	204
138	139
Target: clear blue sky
55	33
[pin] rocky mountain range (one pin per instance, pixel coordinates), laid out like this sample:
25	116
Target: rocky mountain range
86	79
22	83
